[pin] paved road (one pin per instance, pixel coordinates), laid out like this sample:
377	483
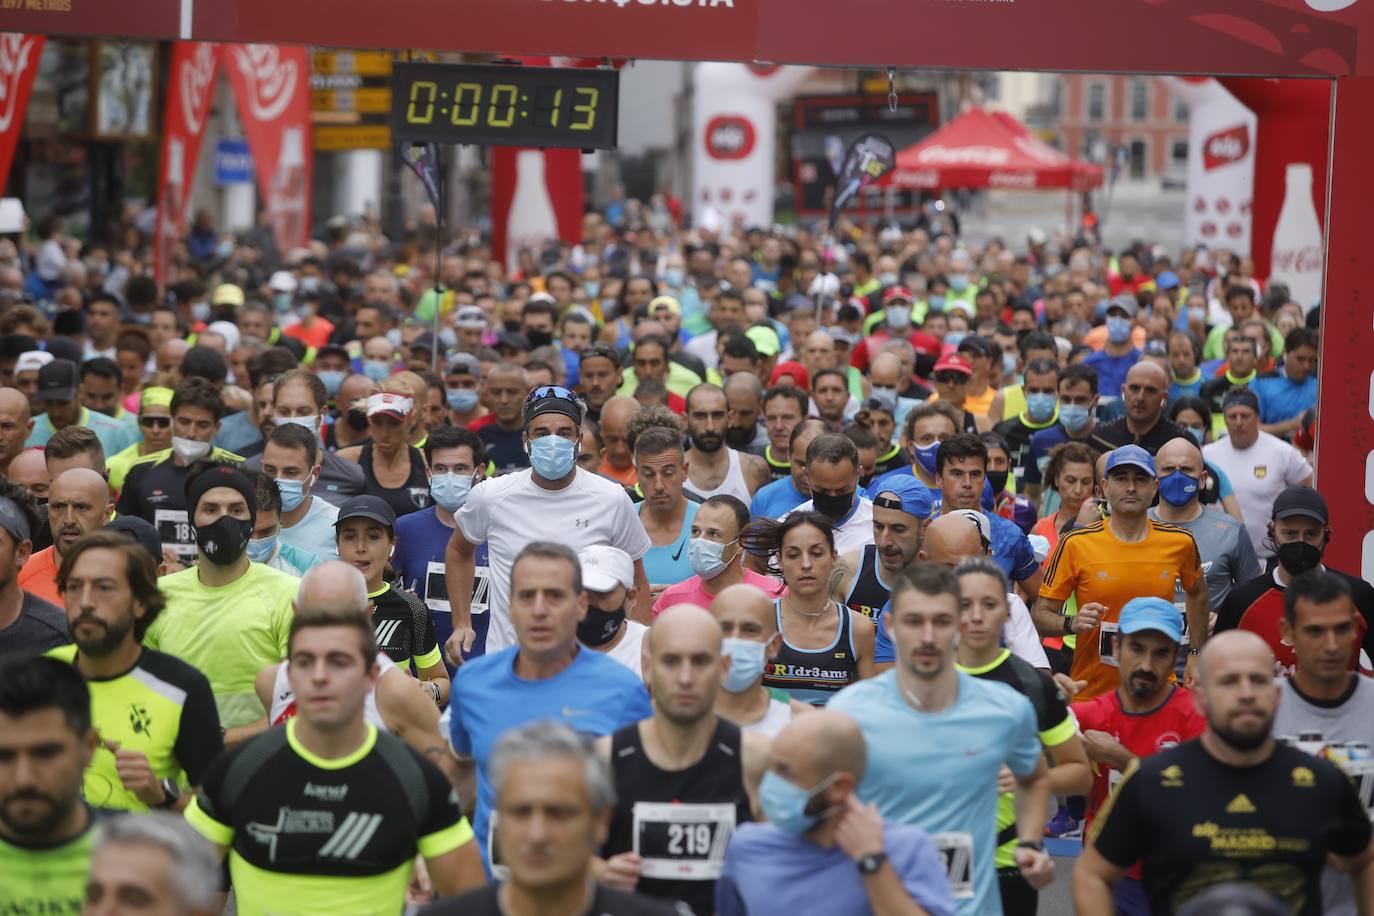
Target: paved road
1138	210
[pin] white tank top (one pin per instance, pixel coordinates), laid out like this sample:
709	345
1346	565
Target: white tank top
733	484
774	720
284	699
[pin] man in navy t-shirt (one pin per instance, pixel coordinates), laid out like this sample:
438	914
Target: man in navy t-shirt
457	462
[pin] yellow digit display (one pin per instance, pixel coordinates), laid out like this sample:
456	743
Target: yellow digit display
496	118
417	90
467	99
587	108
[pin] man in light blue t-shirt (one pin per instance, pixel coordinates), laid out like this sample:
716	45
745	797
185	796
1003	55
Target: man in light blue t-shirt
937	739
546	675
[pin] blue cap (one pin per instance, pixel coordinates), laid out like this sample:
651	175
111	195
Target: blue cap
1132	455
1167	280
912	496
1151	614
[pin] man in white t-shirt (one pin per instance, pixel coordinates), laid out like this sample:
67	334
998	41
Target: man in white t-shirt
1259	465
832	473
608	578
553	499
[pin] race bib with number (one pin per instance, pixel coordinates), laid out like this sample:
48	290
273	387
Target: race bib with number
682	841
174	528
436	588
957	851
1361	772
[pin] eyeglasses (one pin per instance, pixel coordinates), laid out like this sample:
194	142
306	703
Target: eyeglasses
950	378
544	392
155	422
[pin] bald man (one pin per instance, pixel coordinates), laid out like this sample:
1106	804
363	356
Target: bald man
1234	805
615	418
821	843
30	470
16	422
744	404
79	501
170	355
751	640
1145	393
949	539
352	426
685	778
418	432
396	707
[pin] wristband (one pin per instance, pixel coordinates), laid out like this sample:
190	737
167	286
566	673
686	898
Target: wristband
1037	845
1068	625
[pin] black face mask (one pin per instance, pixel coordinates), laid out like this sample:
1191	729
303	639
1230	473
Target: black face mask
599	627
998	479
357	420
1298	557
513	325
539	339
224	540
833	507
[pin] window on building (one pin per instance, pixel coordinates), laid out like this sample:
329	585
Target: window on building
1178	152
1139	154
1181	111
1097	101
1057	99
1140	100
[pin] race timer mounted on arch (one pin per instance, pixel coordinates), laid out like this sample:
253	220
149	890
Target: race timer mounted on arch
498	105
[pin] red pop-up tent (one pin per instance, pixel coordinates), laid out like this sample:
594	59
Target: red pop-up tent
980	149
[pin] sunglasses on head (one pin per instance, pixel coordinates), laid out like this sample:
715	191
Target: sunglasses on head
155	422
544	392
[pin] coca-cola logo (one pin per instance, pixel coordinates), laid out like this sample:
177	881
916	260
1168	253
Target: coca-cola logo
1226	147
197	71
729	137
1299	260
16	52
1330	6
270	79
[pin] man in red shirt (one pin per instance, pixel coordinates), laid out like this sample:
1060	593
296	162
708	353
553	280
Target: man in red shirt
897	303
1148	713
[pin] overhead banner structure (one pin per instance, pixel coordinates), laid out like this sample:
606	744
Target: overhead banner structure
19	56
272	86
189	92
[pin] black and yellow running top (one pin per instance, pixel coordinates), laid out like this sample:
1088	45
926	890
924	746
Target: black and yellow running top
404	628
776	466
44	880
1053	721
161	707
316	837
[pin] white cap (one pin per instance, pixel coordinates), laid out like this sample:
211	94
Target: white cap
470	316
604	567
825	285
32	361
229	331
283	281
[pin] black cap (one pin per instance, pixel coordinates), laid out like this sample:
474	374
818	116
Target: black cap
512	339
370	507
424	341
57	381
332	349
65	348
1303	501
142	532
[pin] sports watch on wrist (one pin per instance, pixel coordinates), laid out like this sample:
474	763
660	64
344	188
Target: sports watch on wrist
872	862
1037	845
171	794
1068	625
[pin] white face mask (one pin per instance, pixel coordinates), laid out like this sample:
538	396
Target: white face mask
189	450
311	423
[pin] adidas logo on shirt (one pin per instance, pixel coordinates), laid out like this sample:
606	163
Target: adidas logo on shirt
1240	805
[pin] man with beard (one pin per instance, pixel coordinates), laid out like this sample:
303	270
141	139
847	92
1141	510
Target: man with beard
1299	529
27	622
46	829
1234	805
900	512
744	405
79	502
712	466
156	714
685	778
832	474
1147	714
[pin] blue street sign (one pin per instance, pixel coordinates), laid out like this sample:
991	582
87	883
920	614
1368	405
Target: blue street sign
233	162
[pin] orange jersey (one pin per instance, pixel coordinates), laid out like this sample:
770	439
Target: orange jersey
1095	565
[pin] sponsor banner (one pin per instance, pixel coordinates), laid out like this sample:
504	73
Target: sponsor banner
869	158
190	89
1221	165
19	54
272	86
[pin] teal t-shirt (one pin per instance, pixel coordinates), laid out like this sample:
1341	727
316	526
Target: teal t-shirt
667	565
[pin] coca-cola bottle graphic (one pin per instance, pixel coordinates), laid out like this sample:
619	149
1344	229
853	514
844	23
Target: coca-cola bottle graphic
1297	253
532	219
286	199
169	209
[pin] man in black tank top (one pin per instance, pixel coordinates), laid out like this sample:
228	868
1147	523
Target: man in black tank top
684	777
900	511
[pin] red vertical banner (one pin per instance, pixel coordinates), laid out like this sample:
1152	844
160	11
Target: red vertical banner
272	86
19	54
190	90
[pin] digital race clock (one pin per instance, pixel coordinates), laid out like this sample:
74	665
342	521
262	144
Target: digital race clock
499	105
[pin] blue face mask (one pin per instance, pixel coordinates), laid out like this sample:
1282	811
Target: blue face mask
898	316
462	400
1118	329
936	303
552	457
394	335
292	493
333	381
746	662
954	338
1008	363
448	338
785	804
1074	417
675	277
377	371
450	491
592	287
282	302
1040	406
706	557
958	282
925	457
1178	488
1197	433
260	549
200	311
